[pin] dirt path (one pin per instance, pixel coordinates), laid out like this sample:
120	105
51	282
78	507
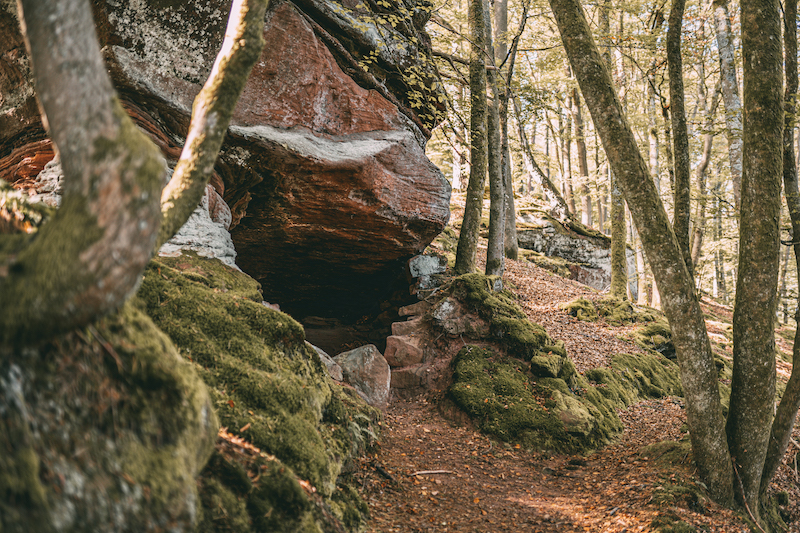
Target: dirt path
431	474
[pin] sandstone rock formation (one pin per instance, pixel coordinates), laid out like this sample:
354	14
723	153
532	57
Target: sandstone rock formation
323	168
368	372
589	255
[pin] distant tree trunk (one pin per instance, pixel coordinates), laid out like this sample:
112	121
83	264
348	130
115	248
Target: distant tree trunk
558	207
720	286
696	361
680	136
700	173
470	225
619	238
501	24
566	158
786	412
753	384
782	300
495	253
583	163
730	94
652	131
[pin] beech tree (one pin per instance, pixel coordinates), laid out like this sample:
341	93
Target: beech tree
470	224
88	259
730	456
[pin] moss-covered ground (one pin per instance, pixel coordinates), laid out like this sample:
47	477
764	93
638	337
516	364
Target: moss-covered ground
268	387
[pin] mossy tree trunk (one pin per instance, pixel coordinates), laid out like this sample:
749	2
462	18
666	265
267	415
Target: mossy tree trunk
470	225
680	134
679	300
495	253
87	261
753	383
786	412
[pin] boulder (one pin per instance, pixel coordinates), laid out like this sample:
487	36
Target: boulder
334	370
323	167
589	255
368	372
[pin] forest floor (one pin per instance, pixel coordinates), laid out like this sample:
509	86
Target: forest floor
436	473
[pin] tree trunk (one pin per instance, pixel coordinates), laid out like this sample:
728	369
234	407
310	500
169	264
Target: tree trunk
702	167
495	253
558	207
786	412
698	373
730	94
753	384
680	136
470	225
583	163
89	258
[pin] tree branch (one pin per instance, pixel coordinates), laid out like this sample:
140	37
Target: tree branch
211	114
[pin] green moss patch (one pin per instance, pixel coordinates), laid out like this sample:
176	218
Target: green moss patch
267	386
635	377
545	413
615	311
557	265
508	323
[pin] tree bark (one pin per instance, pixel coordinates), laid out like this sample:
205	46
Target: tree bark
786	412
85	262
730	94
470	225
698	373
680	136
501	24
495	253
753	384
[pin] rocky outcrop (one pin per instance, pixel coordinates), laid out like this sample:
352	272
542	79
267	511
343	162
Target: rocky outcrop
588	254
323	168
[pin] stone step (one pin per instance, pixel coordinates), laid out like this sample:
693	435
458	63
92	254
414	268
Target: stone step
413	327
403	350
419	308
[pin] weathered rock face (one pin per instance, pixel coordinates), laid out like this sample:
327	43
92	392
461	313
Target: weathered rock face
590	255
323	168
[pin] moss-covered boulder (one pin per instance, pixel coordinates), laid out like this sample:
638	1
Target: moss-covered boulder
507	322
564	413
268	387
615	311
103	429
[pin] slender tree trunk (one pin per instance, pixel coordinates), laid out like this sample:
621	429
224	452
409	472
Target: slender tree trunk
782	300
786	412
566	160
753	384
619	261
680	136
698	373
720	287
583	162
495	253
730	94
470	225
702	167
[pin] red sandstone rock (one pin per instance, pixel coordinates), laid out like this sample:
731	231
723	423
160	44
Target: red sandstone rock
323	167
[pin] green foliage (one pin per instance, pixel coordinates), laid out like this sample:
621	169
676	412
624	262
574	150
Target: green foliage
267	386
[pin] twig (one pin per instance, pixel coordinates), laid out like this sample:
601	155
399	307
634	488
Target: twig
382	471
426	472
794	442
744	498
107	346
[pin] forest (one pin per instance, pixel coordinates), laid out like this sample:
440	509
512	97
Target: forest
293	266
